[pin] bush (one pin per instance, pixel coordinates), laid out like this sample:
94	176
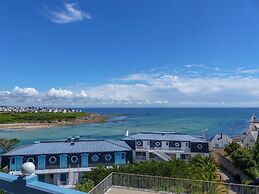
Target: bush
85	186
230	148
201	168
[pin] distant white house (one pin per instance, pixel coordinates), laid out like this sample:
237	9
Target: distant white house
251	134
220	141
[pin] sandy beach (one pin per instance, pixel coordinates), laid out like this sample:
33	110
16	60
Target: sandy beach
95	118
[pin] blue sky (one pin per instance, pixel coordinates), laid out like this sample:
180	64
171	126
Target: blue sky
129	53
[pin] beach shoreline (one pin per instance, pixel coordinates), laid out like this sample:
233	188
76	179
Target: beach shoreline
92	119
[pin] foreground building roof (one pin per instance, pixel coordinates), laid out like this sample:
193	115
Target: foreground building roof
66	147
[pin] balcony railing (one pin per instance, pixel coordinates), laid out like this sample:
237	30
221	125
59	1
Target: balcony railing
164	148
170	185
140	158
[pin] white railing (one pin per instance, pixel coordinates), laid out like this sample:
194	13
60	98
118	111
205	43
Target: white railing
164	148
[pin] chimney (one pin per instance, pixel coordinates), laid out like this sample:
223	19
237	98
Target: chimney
69	139
127	133
77	138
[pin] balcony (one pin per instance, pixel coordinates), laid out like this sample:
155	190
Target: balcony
140	158
28	183
169	149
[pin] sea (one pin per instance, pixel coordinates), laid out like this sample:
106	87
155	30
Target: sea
204	122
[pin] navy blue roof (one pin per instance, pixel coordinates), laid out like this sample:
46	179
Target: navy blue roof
58	147
166	136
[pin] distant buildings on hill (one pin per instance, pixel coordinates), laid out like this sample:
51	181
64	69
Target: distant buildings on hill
246	139
32	109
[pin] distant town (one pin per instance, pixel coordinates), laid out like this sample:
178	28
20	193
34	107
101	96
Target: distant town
33	109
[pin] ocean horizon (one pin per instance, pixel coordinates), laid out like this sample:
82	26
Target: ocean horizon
229	121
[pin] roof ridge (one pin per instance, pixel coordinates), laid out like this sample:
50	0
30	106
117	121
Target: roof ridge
109	141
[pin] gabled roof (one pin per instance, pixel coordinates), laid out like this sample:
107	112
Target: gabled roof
166	136
220	137
254	134
64	147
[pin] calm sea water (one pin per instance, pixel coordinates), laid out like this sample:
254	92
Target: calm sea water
231	121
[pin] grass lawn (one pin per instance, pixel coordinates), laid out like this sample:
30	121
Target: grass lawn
26	117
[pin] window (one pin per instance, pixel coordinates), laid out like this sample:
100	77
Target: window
63	177
167	143
187	144
177	144
30	159
157	143
140	153
95	158
52	159
123	156
108	157
199	146
183	157
74	159
139	143
12	160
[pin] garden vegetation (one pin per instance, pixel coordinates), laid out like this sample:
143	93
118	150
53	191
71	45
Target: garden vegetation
246	159
26	117
199	168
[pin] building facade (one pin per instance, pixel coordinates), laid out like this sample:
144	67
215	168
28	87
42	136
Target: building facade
250	136
220	141
166	146
63	162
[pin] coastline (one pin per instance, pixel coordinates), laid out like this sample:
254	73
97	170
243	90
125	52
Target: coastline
92	119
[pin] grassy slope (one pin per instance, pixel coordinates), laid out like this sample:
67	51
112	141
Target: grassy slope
37	117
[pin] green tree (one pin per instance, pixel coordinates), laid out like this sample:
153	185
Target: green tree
255	152
85	186
243	158
204	168
230	148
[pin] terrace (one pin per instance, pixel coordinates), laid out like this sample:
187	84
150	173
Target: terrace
142	184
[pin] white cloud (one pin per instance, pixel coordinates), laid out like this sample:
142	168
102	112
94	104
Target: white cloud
60	93
145	89
249	71
194	65
25	91
69	13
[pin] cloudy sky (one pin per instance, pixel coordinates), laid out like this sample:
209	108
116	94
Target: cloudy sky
129	53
